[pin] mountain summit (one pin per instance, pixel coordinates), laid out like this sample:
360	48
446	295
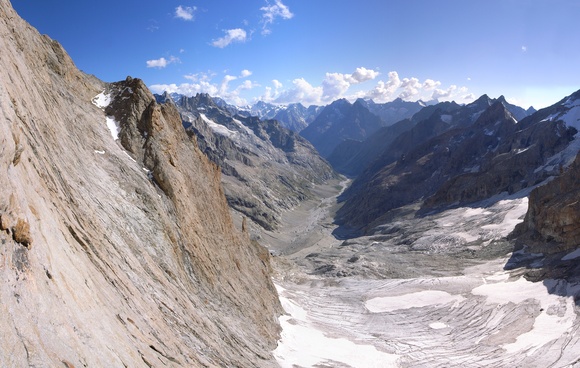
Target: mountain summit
459	157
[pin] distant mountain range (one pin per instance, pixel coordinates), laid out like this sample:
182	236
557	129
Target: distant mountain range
343	124
450	155
293	116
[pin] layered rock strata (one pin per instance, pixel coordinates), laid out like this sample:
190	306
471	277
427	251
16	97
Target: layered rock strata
115	252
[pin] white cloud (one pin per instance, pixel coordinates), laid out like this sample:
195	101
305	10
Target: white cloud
271	12
411	87
188	89
335	85
468	97
302	91
271	94
199	77
246	85
385	91
185	13
524	48
224	86
232	35
430	84
442	95
339	85
362	75
277	84
162	62
203	83
234	87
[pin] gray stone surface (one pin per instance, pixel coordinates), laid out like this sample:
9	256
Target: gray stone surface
115	252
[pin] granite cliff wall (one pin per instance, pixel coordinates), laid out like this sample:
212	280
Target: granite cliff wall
115	252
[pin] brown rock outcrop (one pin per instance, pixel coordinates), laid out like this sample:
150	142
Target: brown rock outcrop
135	261
551	224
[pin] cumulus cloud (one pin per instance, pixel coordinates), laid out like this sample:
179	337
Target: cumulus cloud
443	94
362	75
411	87
231	35
270	94
385	91
302	91
204	83
271	12
468	97
224	86
335	85
339	85
234	87
277	84
162	62
430	84
185	13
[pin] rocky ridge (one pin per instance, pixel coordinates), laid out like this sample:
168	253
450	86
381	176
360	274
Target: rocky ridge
352	157
339	121
115	252
485	152
294	116
266	168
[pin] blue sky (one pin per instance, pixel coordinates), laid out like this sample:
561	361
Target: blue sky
315	51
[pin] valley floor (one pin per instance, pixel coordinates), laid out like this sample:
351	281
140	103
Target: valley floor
419	292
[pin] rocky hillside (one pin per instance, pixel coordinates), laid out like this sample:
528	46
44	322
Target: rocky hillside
352	157
393	111
293	116
550	230
551	223
339	121
296	117
266	168
459	160
117	245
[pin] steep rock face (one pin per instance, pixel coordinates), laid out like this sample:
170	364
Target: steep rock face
115	252
510	167
295	117
386	146
551	224
267	168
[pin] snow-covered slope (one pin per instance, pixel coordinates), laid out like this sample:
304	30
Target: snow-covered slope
429	291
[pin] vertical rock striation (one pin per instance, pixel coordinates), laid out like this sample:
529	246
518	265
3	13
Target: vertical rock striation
115	252
551	223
